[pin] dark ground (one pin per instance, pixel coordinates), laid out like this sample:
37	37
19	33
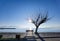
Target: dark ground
46	39
21	39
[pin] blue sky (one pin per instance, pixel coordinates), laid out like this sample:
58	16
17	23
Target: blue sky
16	12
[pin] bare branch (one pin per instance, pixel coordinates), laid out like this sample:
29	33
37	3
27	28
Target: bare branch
33	22
41	18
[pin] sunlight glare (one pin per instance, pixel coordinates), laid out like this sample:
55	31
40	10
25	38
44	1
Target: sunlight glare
30	20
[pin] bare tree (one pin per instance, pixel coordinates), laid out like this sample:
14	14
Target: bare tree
40	19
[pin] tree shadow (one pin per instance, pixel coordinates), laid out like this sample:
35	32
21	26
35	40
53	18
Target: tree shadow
39	36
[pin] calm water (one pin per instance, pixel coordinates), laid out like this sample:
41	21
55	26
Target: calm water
24	30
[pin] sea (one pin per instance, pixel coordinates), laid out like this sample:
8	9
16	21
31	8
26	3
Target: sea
24	30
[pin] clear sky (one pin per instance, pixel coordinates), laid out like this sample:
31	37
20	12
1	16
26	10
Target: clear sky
16	12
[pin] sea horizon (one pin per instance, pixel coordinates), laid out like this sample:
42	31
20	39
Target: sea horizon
24	30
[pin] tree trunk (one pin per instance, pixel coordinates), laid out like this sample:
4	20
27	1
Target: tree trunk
36	29
38	34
